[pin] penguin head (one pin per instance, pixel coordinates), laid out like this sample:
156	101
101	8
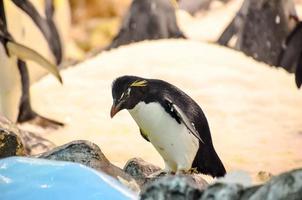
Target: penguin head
127	91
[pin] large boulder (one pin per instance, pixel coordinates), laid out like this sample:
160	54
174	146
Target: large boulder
88	154
285	186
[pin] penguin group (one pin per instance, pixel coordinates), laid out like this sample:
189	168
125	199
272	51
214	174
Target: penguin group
15	83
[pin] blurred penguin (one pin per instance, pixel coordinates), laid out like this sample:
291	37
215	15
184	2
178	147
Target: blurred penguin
148	20
16	103
291	54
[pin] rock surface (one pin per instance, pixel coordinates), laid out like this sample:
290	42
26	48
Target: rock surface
140	169
145	173
10	142
285	186
222	191
86	153
15	141
172	187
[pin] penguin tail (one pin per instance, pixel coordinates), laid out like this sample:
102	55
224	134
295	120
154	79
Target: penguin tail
298	75
208	162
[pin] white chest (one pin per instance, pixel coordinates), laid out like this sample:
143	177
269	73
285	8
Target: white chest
10	86
172	140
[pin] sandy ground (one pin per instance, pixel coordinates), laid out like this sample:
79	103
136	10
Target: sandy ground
254	110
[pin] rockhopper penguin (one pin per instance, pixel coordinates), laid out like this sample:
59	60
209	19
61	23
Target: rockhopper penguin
12	55
171	120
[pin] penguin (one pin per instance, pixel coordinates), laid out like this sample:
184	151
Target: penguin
49	31
12	56
46	25
147	20
171	120
291	53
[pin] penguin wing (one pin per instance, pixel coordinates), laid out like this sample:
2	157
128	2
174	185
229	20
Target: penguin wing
176	111
298	74
26	53
46	26
293	46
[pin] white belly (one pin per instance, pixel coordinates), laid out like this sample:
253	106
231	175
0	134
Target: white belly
10	86
172	140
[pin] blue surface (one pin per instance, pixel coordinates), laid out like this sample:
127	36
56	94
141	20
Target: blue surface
39	179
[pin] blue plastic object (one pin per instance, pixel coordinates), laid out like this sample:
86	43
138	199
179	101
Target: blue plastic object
39	179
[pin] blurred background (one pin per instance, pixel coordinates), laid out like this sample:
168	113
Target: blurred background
253	108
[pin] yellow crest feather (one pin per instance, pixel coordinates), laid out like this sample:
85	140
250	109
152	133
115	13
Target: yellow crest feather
138	83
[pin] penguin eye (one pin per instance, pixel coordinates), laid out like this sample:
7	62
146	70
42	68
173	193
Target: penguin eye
125	94
128	92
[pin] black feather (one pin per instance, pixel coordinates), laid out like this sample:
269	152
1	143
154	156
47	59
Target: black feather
298	75
206	160
291	51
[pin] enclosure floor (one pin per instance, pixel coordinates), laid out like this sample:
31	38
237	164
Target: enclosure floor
254	111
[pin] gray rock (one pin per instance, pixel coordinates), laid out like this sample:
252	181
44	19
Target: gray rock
28	143
144	173
222	191
10	144
178	187
88	154
248	192
285	186
140	169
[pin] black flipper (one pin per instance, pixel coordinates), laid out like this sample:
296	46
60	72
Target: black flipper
177	113
298	74
144	135
291	51
46	26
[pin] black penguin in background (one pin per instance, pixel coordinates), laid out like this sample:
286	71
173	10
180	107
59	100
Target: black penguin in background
291	54
171	120
50	32
25	111
147	20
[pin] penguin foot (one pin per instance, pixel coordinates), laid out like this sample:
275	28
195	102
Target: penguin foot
193	171
45	122
190	171
157	174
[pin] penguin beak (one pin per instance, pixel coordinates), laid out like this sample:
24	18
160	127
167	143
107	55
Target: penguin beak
25	53
115	109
